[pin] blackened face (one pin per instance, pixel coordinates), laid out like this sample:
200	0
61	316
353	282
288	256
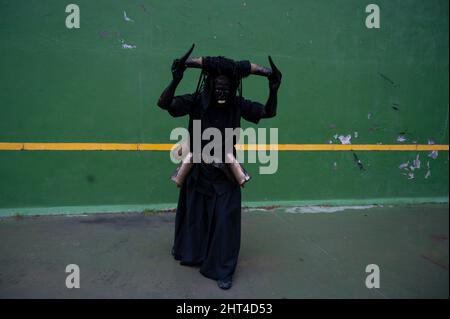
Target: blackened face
222	90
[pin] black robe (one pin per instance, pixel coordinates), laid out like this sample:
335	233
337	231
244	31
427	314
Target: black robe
208	218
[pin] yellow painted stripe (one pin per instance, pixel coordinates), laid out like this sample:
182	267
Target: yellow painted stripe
350	147
168	147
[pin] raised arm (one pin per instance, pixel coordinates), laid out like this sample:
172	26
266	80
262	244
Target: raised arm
270	109
259	70
178	68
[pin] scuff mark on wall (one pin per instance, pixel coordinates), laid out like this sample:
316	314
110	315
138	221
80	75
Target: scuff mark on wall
108	34
386	78
143	8
358	162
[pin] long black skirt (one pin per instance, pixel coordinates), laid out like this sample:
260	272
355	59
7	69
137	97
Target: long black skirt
208	224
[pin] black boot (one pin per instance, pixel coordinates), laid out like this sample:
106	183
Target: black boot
225	284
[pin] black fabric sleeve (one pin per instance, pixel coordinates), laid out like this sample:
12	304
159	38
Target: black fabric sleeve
181	105
251	111
244	67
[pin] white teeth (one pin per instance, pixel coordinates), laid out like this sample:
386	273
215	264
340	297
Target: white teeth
221	101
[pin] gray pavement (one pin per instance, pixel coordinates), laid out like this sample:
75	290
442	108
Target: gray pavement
285	253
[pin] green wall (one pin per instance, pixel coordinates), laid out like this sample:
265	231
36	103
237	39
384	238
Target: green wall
80	85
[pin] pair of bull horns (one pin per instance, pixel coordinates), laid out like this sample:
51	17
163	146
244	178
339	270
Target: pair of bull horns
274	70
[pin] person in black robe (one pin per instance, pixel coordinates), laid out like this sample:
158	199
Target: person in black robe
208	216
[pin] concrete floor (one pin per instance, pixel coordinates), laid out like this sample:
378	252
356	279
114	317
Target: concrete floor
284	254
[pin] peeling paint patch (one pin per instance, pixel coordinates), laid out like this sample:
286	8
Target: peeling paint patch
415	165
345	139
127	46
416	162
428	174
125	17
325	209
404	165
261	209
433	154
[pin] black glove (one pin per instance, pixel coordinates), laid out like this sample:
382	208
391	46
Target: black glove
179	65
275	76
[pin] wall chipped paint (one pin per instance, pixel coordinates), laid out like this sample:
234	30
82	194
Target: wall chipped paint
339	79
